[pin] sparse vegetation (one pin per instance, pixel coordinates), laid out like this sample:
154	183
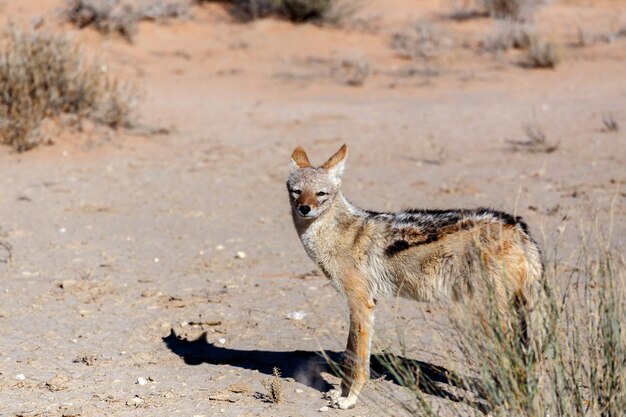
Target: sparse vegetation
536	142
274	387
575	363
541	54
421	40
352	72
609	122
43	75
510	35
520	10
321	11
121	16
6	252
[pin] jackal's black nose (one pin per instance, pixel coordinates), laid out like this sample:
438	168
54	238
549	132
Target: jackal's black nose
304	210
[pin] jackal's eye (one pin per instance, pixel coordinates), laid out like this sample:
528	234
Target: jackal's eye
296	192
321	193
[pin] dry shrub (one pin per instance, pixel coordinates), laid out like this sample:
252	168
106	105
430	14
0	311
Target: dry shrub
510	35
421	40
351	71
44	75
520	10
122	16
610	123
303	10
320	11
541	54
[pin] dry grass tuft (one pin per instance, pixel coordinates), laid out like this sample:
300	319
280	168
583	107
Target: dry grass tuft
44	75
510	35
541	54
121	16
609	122
274	387
421	40
537	141
352	72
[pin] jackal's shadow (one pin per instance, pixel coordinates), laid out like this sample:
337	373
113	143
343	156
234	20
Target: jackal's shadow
306	367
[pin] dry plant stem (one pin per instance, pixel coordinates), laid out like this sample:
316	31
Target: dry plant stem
609	122
274	387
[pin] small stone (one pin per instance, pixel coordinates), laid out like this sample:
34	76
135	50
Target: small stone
299	391
20	377
135	401
241	255
325	408
239	388
141	381
221	340
219	247
296	315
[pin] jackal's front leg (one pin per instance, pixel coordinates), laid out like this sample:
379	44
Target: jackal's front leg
356	364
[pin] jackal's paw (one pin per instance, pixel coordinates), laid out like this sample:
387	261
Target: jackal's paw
345	403
333	395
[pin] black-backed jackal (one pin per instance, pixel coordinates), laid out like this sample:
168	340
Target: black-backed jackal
425	255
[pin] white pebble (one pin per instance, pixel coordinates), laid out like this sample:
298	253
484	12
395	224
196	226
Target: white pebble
219	247
141	381
156	260
325	408
221	340
296	315
241	255
299	391
62	230
20	377
134	401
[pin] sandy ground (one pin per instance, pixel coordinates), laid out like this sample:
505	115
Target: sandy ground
124	247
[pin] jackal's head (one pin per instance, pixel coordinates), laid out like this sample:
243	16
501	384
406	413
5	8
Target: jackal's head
312	190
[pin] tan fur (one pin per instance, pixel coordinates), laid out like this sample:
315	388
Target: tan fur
368	255
300	158
334	160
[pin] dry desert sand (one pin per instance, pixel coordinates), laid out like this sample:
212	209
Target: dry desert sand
125	293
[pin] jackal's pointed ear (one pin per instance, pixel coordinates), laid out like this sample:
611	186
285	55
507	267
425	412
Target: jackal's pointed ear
337	163
299	159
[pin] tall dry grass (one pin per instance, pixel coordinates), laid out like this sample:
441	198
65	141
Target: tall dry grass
43	75
574	363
